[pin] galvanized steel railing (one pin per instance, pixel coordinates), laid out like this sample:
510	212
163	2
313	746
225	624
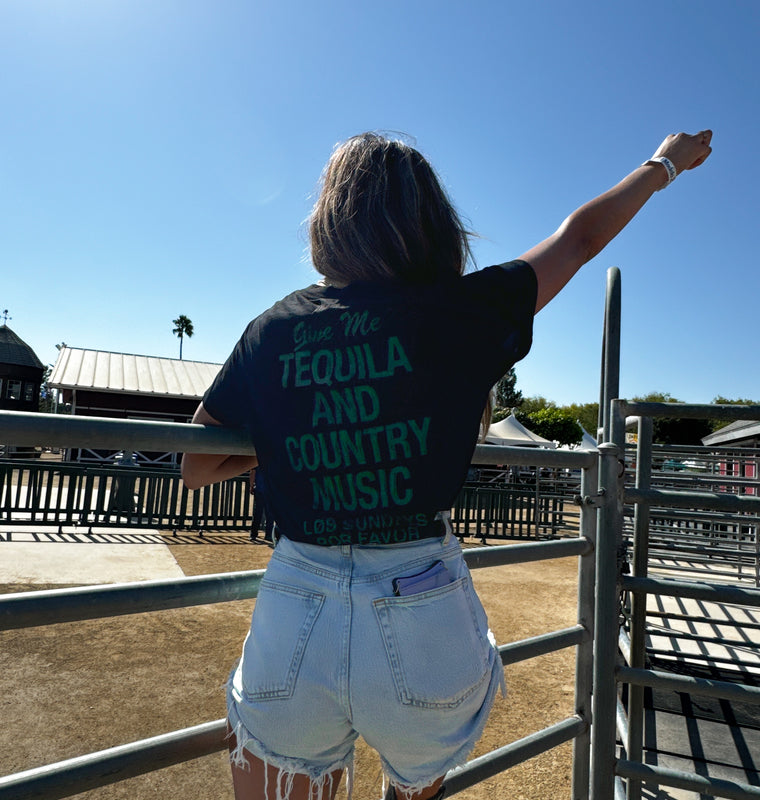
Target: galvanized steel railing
36	493
70	494
59	606
78	495
639	585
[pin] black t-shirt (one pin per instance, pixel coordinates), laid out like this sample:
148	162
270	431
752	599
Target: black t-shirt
364	402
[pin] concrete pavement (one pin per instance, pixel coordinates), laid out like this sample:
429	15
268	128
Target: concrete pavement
42	555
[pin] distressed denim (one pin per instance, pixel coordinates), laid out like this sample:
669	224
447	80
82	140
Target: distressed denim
332	654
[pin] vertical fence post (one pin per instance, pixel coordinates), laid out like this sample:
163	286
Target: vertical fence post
606	615
584	659
610	381
640	560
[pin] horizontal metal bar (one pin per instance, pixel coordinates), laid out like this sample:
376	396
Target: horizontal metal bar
682	683
82	773
91	771
688	410
725	556
30	609
544	643
708	659
64	430
478	557
712	787
672	633
490	764
534	456
694	591
669	498
721	623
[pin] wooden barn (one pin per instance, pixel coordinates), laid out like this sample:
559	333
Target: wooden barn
96	383
739	442
20	373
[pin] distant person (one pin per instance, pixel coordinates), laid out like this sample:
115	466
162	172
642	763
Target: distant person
366	622
262	515
257	518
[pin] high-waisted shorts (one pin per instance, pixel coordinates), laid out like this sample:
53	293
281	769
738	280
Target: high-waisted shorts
332	654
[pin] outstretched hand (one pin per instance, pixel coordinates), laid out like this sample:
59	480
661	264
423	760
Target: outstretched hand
684	150
591	227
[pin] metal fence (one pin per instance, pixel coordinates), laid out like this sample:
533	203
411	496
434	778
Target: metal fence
61	606
706	543
704	523
618	770
43	493
87	495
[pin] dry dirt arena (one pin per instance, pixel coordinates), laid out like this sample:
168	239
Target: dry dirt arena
67	690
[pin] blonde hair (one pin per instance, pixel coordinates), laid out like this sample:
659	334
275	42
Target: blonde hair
382	215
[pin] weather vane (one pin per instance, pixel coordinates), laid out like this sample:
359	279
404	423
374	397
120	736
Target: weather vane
5	316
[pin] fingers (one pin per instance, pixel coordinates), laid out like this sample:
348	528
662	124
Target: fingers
686	151
703	138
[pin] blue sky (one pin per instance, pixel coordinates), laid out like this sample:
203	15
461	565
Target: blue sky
159	157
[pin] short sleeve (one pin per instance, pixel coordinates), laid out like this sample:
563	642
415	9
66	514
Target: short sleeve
518	304
505	298
228	397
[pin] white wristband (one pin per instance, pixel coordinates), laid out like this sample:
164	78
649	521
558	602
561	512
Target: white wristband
668	164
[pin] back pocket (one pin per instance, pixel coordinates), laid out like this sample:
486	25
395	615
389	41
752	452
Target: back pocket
436	652
283	619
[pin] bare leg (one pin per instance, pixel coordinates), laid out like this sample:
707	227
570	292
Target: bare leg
259	782
428	793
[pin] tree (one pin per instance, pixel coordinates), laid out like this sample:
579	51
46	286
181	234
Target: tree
585	413
530	405
182	327
555	424
505	393
675	430
46	402
717	424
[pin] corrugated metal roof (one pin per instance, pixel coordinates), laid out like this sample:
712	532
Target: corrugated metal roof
102	371
14	350
733	432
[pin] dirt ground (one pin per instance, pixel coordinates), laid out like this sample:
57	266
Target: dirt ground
67	690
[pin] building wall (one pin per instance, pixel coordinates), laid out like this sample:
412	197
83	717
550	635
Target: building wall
20	387
130	406
122	405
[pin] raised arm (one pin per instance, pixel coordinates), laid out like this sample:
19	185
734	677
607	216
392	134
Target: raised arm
200	469
594	225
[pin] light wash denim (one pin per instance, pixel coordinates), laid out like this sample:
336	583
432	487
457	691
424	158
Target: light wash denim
332	655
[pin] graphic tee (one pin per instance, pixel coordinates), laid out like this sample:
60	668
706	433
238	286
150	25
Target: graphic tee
364	402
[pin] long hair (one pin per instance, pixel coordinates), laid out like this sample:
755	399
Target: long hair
382	215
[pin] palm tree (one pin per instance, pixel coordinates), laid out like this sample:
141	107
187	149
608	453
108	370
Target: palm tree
183	326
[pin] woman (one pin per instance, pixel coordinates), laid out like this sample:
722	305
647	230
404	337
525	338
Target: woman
366	622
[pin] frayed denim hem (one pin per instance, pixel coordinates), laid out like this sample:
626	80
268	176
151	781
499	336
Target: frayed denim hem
288	767
458	759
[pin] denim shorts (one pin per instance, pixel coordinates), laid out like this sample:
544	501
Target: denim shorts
332	654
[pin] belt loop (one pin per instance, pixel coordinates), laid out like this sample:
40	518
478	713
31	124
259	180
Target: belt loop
445	518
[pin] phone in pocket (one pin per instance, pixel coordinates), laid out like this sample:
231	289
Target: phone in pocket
431	578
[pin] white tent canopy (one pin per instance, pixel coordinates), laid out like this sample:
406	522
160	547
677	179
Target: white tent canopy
587	442
510	433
